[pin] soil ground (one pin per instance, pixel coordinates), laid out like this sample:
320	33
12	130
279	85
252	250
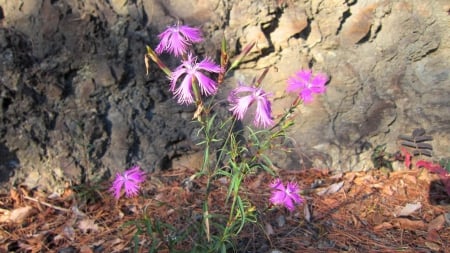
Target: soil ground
372	211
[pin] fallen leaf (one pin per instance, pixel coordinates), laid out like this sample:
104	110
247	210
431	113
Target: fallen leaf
17	215
28	247
377	186
53	195
337	176
433	236
15	196
269	229
383	226
85	249
356	223
408	224
409	209
331	189
69	233
433	246
88	225
411	178
329	202
387	190
349	177
77	212
58	239
68	193
117	244
364	180
307	213
437	223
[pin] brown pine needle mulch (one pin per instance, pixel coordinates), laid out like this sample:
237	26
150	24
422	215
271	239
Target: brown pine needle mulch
373	211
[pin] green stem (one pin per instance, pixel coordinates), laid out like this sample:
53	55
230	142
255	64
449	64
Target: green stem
289	112
205	165
205	210
235	195
222	150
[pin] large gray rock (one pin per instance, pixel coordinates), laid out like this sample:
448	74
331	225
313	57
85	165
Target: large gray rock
388	67
76	102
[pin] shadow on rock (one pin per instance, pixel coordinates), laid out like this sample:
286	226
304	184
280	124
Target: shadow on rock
8	162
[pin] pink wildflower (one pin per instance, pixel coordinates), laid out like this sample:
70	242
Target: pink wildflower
240	105
176	39
192	70
306	84
130	180
287	196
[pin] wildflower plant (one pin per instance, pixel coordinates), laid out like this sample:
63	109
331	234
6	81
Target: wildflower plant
241	152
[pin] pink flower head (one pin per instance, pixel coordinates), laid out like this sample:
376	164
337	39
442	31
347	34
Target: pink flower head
191	69
304	82
240	105
130	180
287	196
176	39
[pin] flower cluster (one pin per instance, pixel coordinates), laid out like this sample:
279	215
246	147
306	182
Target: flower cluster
176	40
302	82
192	79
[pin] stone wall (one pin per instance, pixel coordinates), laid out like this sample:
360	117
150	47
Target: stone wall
77	105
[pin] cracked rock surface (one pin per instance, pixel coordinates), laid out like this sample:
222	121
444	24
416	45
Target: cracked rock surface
76	104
